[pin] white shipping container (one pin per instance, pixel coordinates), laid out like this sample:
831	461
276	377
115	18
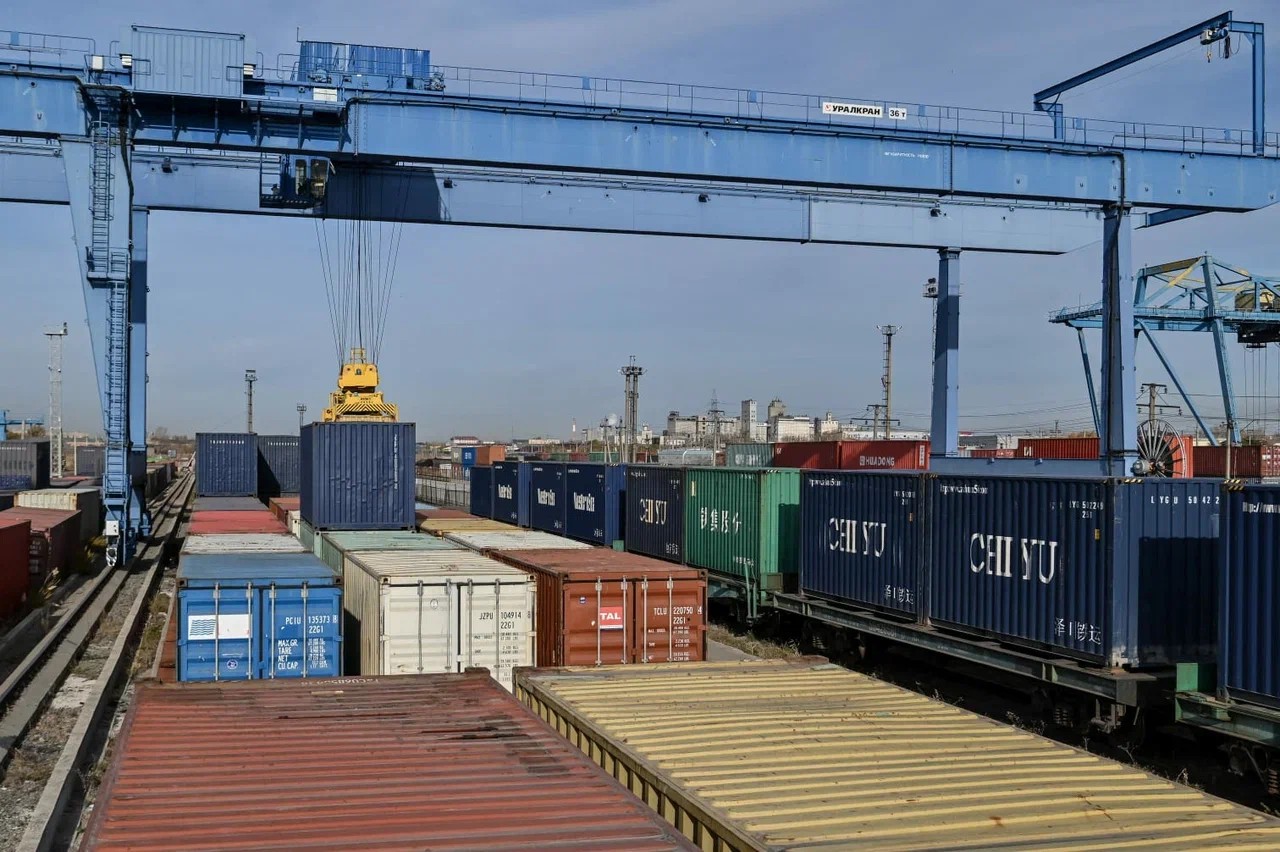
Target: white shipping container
294	520
243	543
423	611
484	540
86	501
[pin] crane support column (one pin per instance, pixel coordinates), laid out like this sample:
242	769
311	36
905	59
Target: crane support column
944	423
1088	378
138	289
1220	349
1119	436
100	193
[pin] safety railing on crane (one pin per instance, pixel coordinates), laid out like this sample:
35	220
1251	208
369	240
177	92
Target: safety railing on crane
695	101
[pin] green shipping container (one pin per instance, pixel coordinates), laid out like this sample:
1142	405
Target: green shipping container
332	545
748	455
743	526
596	457
307	536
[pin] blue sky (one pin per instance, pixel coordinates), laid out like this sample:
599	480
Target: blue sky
494	332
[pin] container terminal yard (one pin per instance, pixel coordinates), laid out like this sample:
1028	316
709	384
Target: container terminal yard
355	636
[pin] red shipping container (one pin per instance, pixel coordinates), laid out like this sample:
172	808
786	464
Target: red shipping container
1058	448
54	539
819	455
992	454
487	454
579	457
207	522
885	455
15	544
1250	462
601	607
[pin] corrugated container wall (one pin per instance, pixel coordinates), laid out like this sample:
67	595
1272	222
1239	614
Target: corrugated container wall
595	496
440	611
748	455
1058	448
1122	572
226	464
237	521
90	460
358	476
741	525
599	607
482	492
819	455
547	496
188	63
1249	462
425	763
1248	663
244	616
886	455
655	511
55	536
861	539
24	464
511	492
279	465
15	547
334	547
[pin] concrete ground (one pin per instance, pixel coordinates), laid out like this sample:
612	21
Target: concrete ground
717	652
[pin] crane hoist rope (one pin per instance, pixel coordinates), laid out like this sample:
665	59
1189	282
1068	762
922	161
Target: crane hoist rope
358	259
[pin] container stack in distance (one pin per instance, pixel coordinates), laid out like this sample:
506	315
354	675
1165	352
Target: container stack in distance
24	464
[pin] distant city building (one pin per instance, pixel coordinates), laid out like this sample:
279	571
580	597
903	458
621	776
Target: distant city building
784	428
827	426
464	441
699	426
748	418
777	409
646	434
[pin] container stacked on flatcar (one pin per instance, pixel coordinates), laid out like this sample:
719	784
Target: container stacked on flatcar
1248	665
595	502
547	497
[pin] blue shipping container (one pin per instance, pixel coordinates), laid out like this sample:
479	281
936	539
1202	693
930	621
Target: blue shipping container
511	492
655	511
861	538
226	464
482	492
358	476
1117	571
1248	661
546	489
243	616
594	502
279	465
468	456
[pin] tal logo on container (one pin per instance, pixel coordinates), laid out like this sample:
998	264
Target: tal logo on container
611	618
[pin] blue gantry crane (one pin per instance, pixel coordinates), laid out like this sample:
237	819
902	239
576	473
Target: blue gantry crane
6	421
171	119
1201	294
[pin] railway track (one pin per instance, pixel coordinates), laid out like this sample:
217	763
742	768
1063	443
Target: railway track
54	702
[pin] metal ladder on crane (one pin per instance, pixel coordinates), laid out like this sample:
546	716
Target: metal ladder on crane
109	268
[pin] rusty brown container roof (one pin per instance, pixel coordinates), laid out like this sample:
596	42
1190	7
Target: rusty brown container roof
409	762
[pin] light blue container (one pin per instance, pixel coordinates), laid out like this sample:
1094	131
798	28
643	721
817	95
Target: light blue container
245	616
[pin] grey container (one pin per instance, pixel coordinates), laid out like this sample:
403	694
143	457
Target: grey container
358	476
1249	647
226	464
90	460
279	465
748	455
24	464
1120	572
861	539
188	63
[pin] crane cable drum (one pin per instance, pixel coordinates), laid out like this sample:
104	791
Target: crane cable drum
359	254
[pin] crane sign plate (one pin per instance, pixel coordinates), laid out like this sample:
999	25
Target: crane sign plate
863	110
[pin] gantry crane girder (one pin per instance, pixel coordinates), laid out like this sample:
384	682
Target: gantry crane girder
183	120
1201	294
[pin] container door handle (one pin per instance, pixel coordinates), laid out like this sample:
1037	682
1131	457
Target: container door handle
306	629
497	627
217	615
599	626
274	646
644	639
450	614
420	590
671	618
625	612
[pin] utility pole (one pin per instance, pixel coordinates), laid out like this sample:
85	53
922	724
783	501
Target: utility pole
876	420
250	376
302	413
1153	392
887	380
715	412
56	335
631	408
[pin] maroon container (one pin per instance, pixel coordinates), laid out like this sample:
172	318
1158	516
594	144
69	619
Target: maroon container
214	522
1058	448
282	506
55	536
15	544
1251	462
1002	453
819	455
885	455
605	607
